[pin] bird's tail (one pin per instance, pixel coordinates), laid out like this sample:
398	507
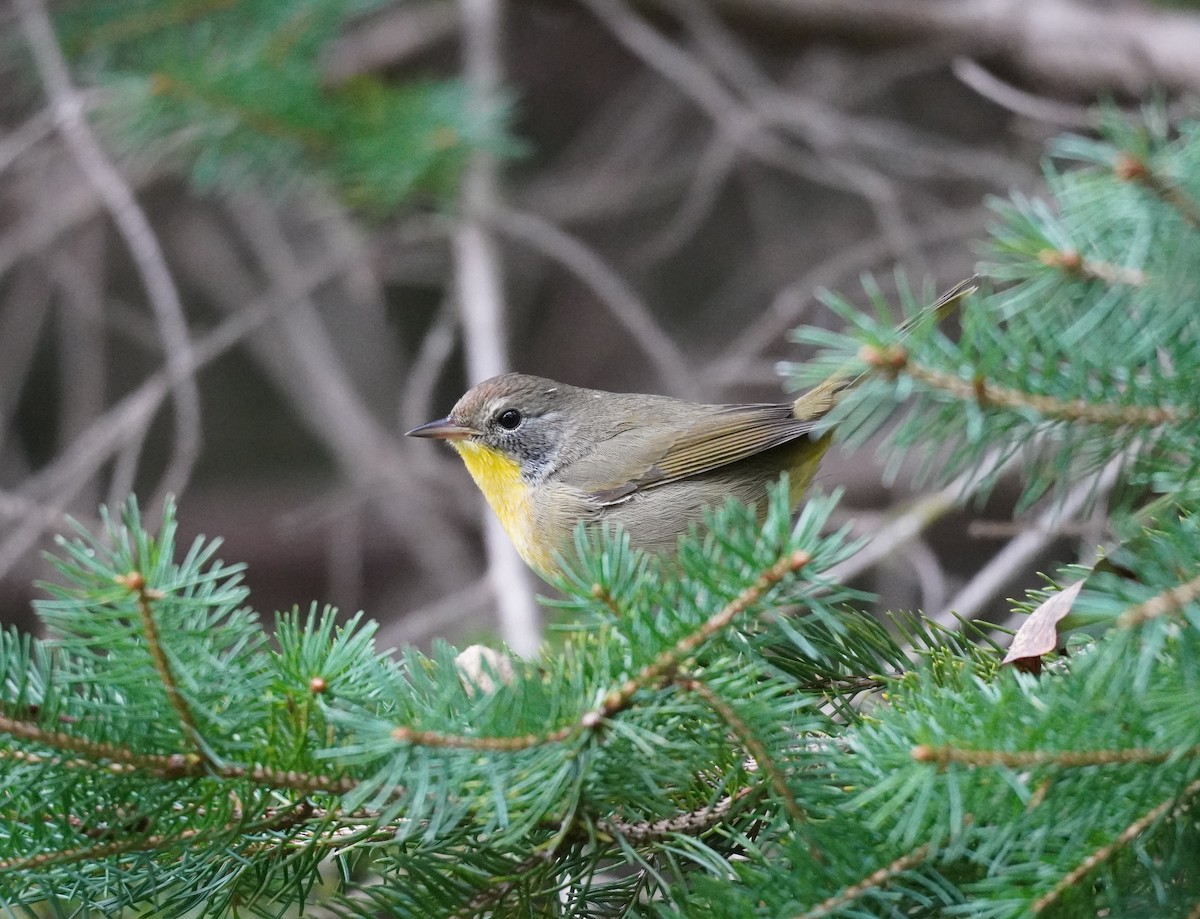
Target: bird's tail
822	398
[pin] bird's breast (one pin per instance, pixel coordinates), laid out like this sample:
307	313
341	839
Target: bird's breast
511	498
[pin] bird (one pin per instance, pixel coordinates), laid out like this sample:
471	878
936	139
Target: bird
548	455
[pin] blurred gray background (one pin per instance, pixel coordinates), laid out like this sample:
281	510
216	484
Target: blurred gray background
692	175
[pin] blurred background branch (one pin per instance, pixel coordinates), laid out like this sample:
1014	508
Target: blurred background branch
239	269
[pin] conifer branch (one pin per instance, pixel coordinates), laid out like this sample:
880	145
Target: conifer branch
162	84
542	854
500	888
603	595
873	881
418	738
756	748
93	853
691	823
116	759
37	759
1165	603
1131	168
153	19
274	819
1172	806
135	583
620	697
670	659
1023	759
167	766
1072	262
304	782
895	360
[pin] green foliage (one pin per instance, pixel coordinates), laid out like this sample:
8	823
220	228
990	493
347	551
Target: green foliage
724	732
1074	361
236	89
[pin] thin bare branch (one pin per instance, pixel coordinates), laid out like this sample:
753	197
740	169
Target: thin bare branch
1017	101
743	126
131	221
1004	565
480	290
302	360
1065	43
55	486
610	287
25	137
384	40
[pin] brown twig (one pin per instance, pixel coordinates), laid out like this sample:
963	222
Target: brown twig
872	881
417	738
895	360
691	823
135	582
273	819
1172	806
755	747
603	595
113	757
168	766
1025	759
1165	603
1072	262
670	659
1131	168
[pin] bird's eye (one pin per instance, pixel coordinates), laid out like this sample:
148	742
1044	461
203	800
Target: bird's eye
509	419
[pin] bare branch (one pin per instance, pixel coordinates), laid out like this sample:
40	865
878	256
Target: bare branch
134	227
388	38
480	290
610	287
743	126
1080	46
1017	100
55	486
997	573
25	137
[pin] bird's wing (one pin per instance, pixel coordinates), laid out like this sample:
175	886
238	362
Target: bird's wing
723	435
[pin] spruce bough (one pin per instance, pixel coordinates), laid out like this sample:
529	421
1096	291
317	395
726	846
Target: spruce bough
734	734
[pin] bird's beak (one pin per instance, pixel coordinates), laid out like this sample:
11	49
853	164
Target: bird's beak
443	429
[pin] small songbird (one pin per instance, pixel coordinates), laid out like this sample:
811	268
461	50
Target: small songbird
547	455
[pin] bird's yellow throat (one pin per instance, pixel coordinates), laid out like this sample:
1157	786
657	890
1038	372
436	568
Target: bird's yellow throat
499	478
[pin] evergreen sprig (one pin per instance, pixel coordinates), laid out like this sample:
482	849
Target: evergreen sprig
724	732
236	91
1076	357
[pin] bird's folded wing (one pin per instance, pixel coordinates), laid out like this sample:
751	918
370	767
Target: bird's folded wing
724	435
